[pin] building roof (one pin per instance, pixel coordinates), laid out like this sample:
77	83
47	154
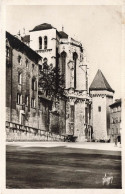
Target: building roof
100	83
18	45
43	26
26	38
116	103
63	34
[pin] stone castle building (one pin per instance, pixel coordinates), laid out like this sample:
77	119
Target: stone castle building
102	96
21	82
24	96
63	51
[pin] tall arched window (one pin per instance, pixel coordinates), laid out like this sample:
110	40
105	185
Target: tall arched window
45	65
75	56
34	84
40	42
45	42
63	65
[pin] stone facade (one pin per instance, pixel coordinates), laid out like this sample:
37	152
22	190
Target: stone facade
100	118
102	96
66	53
115	121
23	105
34	109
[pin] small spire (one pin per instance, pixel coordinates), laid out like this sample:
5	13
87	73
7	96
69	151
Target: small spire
24	31
62	28
19	33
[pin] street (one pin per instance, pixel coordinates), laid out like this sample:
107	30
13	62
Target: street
60	167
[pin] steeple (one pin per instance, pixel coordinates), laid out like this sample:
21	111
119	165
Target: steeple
100	83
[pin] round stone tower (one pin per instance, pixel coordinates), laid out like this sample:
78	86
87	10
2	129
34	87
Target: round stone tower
102	96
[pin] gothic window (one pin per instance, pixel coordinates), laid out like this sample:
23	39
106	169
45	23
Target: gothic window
45	42
75	56
45	65
40	42
63	65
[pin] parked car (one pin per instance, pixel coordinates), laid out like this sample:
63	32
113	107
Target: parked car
70	138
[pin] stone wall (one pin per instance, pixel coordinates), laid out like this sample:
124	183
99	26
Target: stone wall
16	132
80	120
99	118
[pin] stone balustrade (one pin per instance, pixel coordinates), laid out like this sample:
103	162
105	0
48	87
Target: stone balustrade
17	132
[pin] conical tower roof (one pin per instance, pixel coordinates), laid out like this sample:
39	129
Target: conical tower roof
100	83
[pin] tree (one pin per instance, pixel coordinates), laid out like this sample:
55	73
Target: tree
51	81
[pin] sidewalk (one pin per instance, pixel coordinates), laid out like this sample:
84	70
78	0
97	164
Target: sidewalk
81	145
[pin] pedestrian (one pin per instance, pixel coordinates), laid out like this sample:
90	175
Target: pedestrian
116	141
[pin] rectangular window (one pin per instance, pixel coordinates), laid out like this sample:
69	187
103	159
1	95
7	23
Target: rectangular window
27	100
72	113
19	99
19	78
33	103
86	115
27	64
33	66
34	84
99	108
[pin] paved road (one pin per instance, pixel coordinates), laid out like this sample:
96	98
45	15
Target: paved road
60	167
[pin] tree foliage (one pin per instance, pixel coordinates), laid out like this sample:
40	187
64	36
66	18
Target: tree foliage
51	81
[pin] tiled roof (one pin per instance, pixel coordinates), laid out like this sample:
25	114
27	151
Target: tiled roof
63	34
116	103
100	83
18	45
43	26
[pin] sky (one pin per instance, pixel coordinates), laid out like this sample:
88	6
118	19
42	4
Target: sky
97	27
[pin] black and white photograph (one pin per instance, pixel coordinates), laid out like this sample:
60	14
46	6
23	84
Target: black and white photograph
63	96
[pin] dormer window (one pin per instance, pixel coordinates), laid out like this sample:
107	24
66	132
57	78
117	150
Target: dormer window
45	42
40	42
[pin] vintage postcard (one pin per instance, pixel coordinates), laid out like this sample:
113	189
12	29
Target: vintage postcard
63	77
